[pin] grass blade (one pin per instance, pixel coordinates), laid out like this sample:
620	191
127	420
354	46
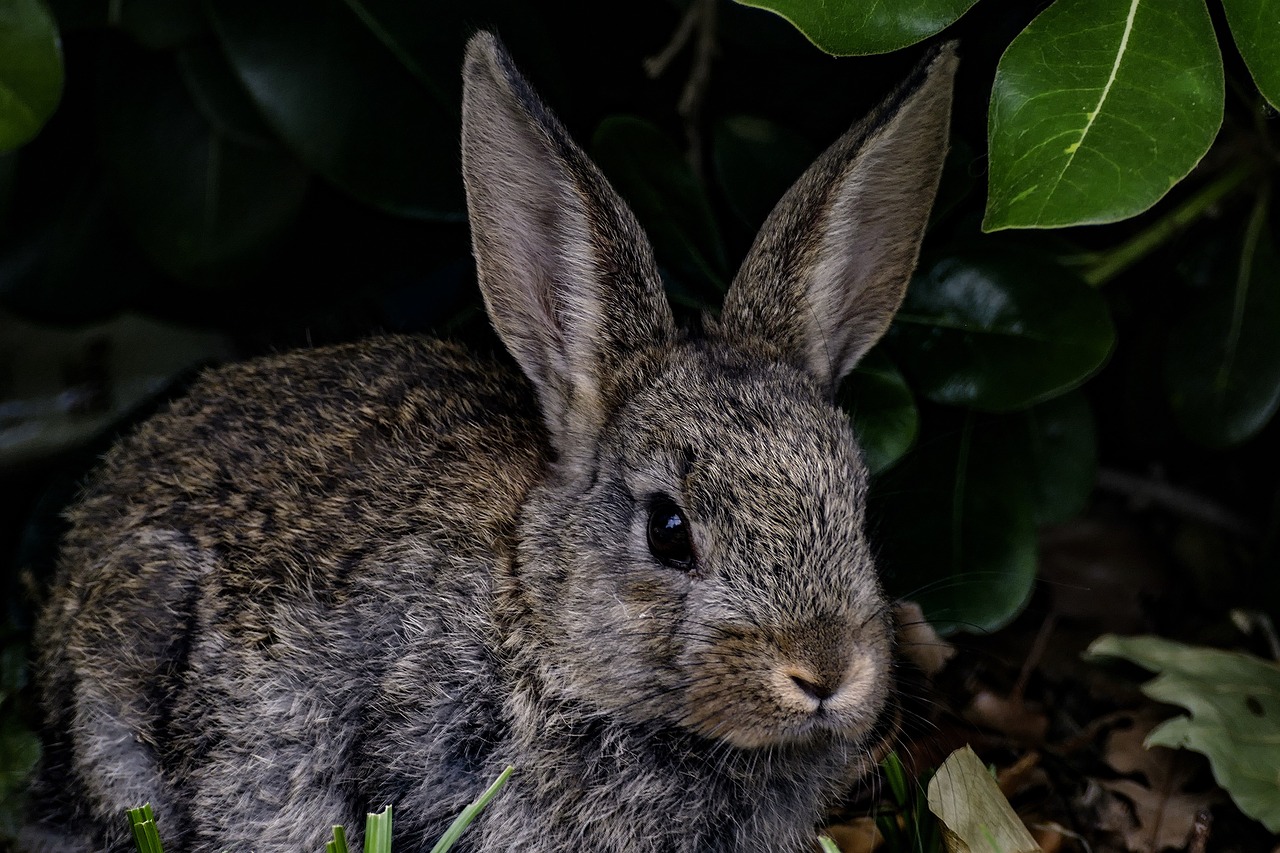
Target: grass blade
377	832
143	823
339	842
469	813
828	846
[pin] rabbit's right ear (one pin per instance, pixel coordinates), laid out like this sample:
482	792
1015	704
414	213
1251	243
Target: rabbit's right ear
567	275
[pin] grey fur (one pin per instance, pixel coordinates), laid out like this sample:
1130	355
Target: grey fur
369	574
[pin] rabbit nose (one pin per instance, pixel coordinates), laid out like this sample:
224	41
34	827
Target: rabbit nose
818	690
815	687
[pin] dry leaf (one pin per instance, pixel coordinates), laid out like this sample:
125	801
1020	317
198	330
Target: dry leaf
1010	716
859	835
918	642
974	815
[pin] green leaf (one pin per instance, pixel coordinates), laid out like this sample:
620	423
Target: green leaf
999	330
883	409
1098	108
975	815
30	70
650	172
1058	443
958	528
353	97
1255	25
69	385
1234	700
756	161
860	27
195	199
1222	365
19	752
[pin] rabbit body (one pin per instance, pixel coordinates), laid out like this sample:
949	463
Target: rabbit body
381	572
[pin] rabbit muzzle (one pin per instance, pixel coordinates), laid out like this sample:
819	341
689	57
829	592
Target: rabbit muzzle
755	688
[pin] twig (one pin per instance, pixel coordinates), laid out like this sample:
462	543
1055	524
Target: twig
1143	490
700	18
1115	261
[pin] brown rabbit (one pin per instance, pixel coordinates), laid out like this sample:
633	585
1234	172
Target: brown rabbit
369	574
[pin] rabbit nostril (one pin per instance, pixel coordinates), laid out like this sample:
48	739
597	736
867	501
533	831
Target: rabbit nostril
816	690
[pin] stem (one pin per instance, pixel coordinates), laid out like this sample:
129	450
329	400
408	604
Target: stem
1137	247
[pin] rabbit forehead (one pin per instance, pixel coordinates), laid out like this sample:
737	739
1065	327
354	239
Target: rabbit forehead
767	468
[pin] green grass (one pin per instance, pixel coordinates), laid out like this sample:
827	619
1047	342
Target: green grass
377	828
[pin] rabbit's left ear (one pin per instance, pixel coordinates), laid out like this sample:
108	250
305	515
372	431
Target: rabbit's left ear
831	263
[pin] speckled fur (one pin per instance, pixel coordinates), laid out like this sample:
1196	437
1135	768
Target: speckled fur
380	572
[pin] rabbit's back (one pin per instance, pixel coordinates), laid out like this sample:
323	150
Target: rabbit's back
274	563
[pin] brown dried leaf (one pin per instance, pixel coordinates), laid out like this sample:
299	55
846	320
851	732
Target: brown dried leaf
859	835
1010	716
918	642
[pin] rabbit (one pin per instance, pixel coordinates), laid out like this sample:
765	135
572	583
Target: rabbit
635	570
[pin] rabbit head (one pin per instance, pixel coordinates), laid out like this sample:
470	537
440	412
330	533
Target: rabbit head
696	555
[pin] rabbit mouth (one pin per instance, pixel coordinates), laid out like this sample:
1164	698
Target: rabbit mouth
784	708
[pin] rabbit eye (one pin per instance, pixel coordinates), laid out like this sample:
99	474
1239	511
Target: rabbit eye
669	538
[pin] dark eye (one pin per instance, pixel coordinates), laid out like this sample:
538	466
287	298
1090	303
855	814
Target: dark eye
669	538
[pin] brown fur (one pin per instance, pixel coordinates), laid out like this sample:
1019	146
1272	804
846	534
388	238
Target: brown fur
380	572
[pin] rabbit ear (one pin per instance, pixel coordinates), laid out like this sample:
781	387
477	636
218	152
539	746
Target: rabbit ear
567	275
831	263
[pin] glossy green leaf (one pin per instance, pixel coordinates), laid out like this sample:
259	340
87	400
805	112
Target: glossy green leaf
756	161
194	198
1098	108
352	97
1058	441
70	385
649	170
999	330
221	99
1222	365
1255	25
1234	705
957	527
883	409
30	70
860	27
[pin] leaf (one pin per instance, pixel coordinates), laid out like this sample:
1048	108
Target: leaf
756	161
30	70
1222	367
1057	440
860	27
883	409
999	330
1164	799
958	534
650	172
351	98
67	386
975	816
19	752
1098	108
194	198
1255	25
1234	704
